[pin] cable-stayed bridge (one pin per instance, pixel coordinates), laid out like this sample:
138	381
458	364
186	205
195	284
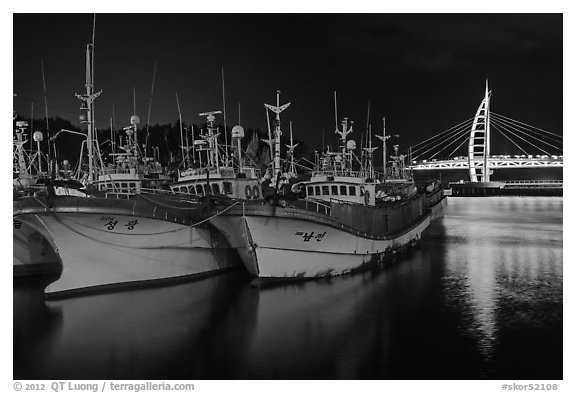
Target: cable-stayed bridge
533	147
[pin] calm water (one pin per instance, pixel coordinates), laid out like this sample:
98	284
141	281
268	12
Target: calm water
482	298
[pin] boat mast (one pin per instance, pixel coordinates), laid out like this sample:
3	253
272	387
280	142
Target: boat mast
212	138
383	138
88	104
46	114
277	132
291	148
181	132
149	110
225	129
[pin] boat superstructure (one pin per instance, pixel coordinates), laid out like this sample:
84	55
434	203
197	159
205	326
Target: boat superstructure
208	172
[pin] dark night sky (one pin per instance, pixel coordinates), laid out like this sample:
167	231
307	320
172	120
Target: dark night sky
424	72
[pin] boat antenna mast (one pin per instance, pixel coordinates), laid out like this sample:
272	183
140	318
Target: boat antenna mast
149	110
212	138
225	129
343	134
290	152
277	131
88	105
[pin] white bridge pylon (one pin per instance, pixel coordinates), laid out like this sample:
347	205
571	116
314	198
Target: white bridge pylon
476	133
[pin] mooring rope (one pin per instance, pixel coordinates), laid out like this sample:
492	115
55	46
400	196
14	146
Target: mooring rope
62	219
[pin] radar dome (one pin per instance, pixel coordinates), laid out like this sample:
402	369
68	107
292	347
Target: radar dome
38	137
351	144
134	119
237	132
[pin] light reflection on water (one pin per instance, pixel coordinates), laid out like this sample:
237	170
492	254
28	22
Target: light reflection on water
482	298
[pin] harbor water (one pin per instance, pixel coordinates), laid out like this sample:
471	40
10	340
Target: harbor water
480	299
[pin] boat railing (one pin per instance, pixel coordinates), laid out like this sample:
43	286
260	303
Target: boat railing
315	205
337	173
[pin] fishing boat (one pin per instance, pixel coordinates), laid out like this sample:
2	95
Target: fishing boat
127	231
348	220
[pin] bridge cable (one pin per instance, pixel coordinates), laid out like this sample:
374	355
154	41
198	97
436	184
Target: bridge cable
530	143
515	127
506	136
460	145
461	133
451	143
442	138
556	138
527	125
523	132
443	132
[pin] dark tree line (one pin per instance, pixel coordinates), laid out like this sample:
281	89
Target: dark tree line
162	138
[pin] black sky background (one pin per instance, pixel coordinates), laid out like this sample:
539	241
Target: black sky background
424	72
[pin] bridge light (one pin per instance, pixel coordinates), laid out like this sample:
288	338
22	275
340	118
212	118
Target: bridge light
530	156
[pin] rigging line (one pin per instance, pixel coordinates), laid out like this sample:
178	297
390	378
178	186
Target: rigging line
462	132
531	136
443	132
558	138
524	124
440	138
500	131
518	136
455	140
515	127
460	145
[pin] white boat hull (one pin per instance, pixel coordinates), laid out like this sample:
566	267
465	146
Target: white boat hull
97	254
285	248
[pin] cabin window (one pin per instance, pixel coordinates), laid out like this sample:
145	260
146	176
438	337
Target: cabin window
343	190
317	189
334	190
216	188
191	190
227	187
352	190
310	191
361	191
325	190
199	190
124	185
206	189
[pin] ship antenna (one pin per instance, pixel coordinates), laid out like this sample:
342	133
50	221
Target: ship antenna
46	113
112	126
150	108
180	120
368	115
269	135
335	111
31	123
224	110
